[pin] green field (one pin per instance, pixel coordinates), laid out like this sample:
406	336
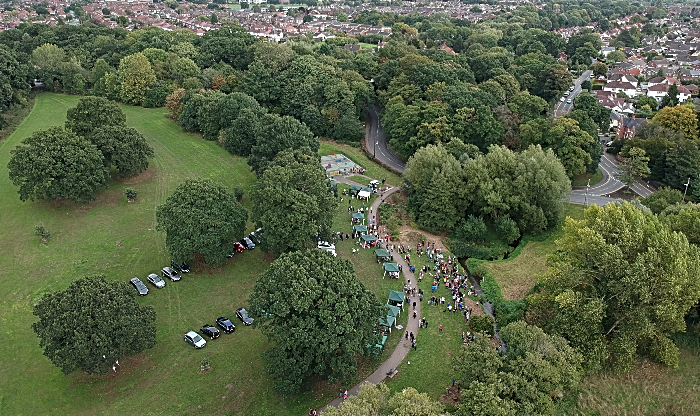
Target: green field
111	237
582	180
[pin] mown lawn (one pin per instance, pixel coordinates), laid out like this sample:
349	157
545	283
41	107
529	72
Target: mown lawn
517	275
111	237
582	180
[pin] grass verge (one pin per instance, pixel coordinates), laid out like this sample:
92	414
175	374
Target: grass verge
582	180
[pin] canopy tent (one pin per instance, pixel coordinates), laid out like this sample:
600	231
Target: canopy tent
382	253
379	346
367	189
359	228
392	269
358	216
387	322
354	189
395	298
368	237
364	195
393	310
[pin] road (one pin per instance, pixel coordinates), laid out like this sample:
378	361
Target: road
564	108
376	136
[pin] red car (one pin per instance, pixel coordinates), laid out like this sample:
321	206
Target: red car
238	247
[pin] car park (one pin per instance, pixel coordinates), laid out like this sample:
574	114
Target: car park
248	243
170	274
195	339
180	267
140	287
156	280
242	314
225	324
210	331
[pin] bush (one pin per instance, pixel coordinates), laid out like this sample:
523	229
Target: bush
130	194
481	324
471	229
238	193
42	232
507	230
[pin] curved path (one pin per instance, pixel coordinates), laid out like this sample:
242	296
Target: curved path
401	351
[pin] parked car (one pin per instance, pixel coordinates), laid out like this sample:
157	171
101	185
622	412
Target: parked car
238	247
170	274
210	331
326	246
568	101
195	339
256	236
140	287
571	88
182	267
225	324
248	243
562	99
156	281
242	314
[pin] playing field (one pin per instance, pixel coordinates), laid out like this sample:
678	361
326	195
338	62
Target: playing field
111	237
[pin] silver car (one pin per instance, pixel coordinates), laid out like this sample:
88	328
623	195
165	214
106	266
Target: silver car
170	274
195	339
140	287
156	280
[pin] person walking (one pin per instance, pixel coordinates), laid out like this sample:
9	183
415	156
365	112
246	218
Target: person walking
440	328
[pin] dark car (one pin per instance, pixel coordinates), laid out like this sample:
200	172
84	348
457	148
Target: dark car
248	243
210	331
242	314
170	274
182	267
140	287
225	324
256	236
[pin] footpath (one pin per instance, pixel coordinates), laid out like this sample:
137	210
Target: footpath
401	351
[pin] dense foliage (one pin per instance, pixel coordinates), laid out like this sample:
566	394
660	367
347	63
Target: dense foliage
57	164
93	323
377	400
318	316
201	217
625	299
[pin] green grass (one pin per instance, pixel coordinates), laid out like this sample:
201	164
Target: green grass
517	275
368	46
166	379
354	153
234	6
582	180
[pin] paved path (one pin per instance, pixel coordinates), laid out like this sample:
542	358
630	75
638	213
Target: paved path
401	351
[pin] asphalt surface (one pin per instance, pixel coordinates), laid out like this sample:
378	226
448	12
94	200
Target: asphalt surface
564	108
377	138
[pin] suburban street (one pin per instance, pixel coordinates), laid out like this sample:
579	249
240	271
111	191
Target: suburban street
563	108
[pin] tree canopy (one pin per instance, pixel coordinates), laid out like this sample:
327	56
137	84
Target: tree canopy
201	217
293	202
377	400
92	323
318	316
57	164
123	147
276	133
92	113
626	299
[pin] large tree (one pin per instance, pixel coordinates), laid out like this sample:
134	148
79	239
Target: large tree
293	202
635	165
620	284
123	147
522	382
377	400
57	164
93	323
92	113
201	217
136	76
276	133
679	118
318	316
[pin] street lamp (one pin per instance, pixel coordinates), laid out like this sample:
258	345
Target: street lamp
686	189
587	186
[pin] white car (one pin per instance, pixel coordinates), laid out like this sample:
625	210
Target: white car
195	339
609	143
562	99
156	280
323	245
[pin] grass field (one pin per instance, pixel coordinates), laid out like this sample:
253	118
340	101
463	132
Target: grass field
517	275
582	180
166	379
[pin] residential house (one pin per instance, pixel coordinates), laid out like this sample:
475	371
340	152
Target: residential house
627	126
621	87
659	91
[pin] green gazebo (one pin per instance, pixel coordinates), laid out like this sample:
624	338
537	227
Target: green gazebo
382	254
396	298
391	268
